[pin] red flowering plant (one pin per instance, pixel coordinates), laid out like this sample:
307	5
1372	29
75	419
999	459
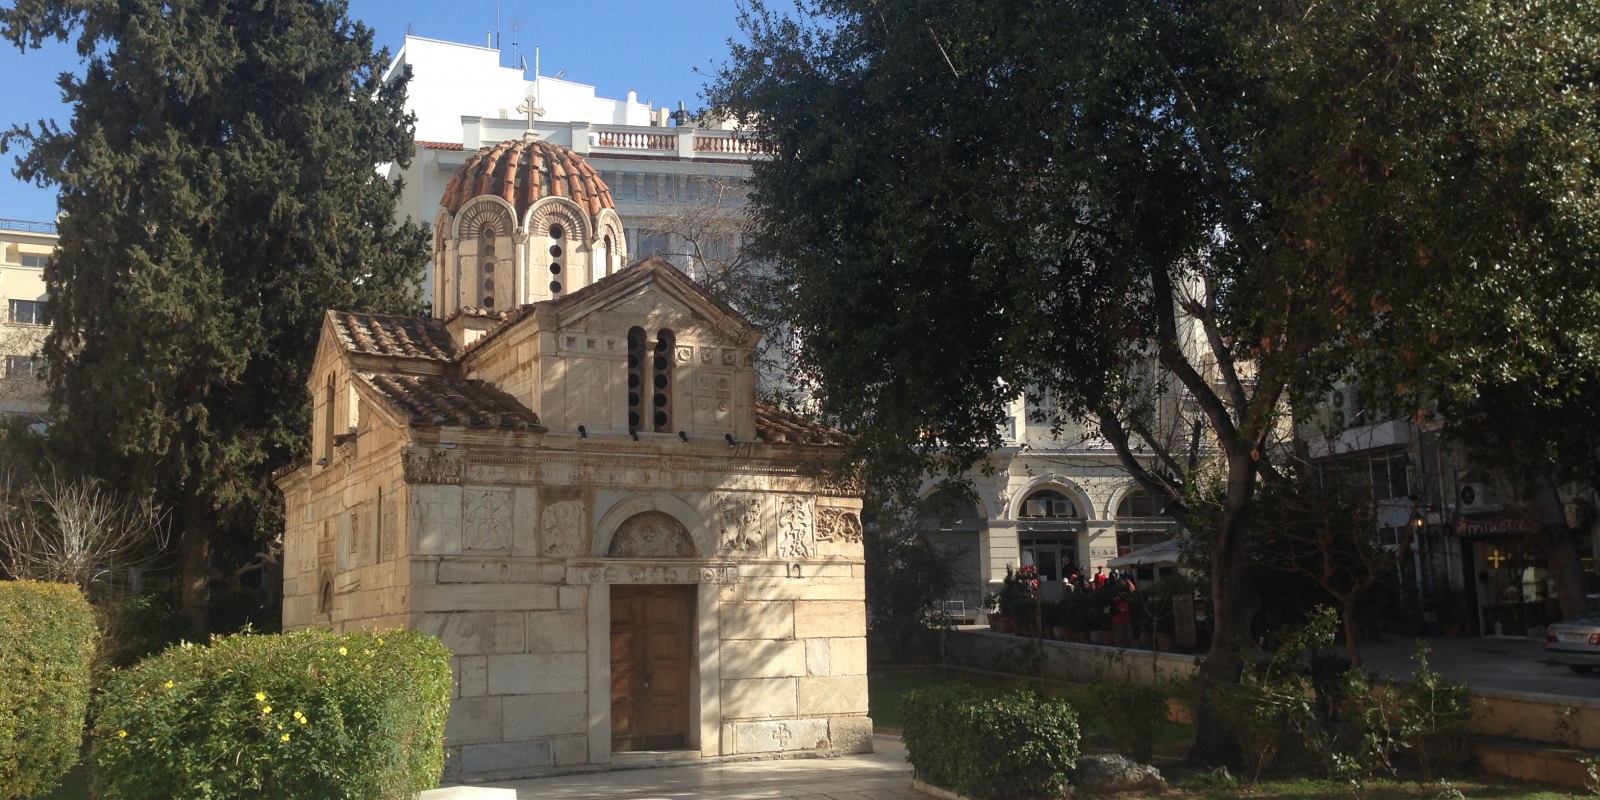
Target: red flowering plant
1017	593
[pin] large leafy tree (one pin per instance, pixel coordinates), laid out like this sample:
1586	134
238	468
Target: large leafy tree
219	190
1165	212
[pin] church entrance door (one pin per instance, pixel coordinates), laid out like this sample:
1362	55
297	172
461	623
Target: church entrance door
651	637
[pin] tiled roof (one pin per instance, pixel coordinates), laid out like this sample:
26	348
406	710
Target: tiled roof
440	145
776	426
455	402
523	172
394	335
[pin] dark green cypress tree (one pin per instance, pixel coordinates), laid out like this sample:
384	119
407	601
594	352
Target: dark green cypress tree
220	190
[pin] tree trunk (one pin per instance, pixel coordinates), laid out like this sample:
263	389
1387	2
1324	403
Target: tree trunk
1215	745
1348	616
194	566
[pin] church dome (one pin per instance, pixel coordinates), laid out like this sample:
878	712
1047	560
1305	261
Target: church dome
525	172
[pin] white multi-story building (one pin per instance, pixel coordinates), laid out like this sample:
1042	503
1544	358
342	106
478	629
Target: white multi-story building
25	248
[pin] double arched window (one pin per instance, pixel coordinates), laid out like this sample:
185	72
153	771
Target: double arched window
650	377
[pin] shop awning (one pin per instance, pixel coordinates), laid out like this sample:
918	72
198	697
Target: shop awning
1164	554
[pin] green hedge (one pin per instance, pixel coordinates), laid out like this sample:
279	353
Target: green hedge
990	744
47	639
299	715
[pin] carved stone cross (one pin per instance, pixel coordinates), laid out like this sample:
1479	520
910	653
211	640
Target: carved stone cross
532	110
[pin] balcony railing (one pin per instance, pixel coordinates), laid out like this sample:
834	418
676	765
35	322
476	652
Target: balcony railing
23	226
733	145
635	141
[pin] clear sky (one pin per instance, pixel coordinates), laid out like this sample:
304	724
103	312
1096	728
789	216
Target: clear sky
616	45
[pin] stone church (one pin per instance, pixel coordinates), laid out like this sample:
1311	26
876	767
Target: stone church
564	473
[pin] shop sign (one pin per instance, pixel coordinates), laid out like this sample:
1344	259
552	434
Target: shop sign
1483	526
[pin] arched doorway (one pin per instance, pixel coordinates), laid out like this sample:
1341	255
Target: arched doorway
652	641
1049	522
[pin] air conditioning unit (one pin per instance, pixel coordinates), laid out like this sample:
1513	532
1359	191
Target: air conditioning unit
1035	508
1060	508
1474	496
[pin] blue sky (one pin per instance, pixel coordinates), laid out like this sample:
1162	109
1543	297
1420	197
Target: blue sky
616	45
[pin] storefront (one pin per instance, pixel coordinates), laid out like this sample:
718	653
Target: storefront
1505	566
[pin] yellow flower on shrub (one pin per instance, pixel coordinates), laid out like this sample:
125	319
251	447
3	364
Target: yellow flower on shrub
284	738
122	734
261	696
343	651
169	684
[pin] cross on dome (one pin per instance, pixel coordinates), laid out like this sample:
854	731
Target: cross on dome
530	107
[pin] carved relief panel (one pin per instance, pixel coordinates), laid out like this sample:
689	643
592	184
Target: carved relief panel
797	537
427	465
563	529
486	519
651	534
388	528
837	525
713	401
739	524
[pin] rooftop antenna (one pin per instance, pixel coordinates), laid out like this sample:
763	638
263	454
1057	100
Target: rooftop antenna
536	62
410	29
516	25
497	26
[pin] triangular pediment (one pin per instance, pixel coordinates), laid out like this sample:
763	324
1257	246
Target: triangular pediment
653	286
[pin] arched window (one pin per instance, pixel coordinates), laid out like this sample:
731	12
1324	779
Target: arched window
558	242
661	381
325	597
945	510
327	423
1142	502
636	373
1049	504
604	268
486	252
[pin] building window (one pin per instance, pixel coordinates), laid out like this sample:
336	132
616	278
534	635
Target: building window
661	381
1141	503
636	373
327	427
36	261
486	296
23	367
27	312
557	239
1048	503
1390	480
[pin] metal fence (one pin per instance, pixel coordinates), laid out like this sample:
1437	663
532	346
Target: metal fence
23	226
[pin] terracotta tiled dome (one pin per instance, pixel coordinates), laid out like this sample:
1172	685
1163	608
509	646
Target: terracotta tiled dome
524	172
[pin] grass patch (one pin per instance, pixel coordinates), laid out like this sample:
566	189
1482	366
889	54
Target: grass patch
884	693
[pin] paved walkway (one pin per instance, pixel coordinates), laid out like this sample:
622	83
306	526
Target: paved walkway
881	775
1508	664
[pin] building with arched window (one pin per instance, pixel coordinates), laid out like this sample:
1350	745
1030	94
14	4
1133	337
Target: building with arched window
564	474
1057	498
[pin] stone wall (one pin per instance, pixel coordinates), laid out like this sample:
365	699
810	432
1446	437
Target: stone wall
1068	662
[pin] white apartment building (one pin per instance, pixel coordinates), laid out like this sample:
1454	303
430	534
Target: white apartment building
25	248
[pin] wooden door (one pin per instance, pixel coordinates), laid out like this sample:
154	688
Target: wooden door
651	630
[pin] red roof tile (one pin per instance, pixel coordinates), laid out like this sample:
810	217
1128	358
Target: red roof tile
776	426
394	335
523	172
456	402
440	145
